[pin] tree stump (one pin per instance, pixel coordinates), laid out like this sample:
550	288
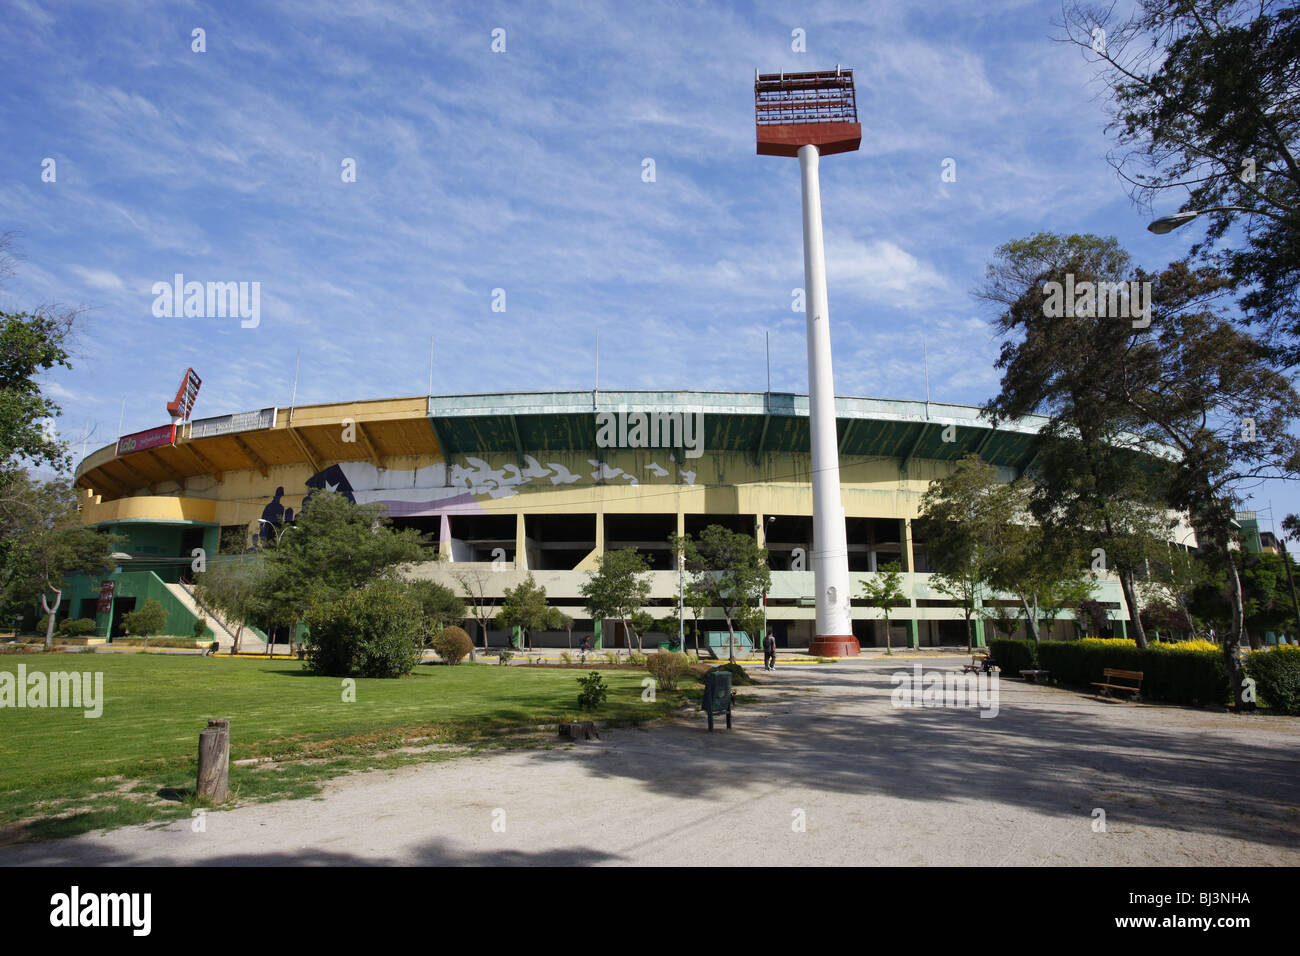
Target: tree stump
214	762
579	730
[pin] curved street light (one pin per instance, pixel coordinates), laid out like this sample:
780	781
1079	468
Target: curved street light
1167	224
279	532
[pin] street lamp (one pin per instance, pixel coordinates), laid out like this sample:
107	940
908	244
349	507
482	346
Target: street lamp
278	533
1167	224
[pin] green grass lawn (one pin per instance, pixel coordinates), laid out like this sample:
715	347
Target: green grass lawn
62	773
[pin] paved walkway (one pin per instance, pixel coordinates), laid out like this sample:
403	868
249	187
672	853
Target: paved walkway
870	783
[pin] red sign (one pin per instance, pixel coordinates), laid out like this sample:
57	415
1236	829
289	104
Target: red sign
185	396
140	441
105	597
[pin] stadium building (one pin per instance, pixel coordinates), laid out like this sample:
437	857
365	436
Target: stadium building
545	482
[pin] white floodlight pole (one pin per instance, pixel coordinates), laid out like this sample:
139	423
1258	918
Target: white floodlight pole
830	545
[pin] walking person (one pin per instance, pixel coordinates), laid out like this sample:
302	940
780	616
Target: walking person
769	652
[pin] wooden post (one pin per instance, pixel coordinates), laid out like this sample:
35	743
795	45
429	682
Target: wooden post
214	761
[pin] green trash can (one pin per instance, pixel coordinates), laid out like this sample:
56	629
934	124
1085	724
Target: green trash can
717	695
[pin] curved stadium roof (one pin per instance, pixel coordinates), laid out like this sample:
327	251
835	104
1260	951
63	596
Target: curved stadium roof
521	423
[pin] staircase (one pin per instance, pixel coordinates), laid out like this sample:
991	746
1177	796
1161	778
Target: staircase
251	641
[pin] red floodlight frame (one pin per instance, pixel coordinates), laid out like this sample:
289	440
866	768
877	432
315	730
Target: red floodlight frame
801	109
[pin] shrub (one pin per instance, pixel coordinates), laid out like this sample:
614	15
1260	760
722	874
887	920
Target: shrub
1013	656
1276	674
638	659
504	656
1175	676
666	667
200	627
738	675
371	632
453	645
566	657
592	691
77	627
611	657
146	621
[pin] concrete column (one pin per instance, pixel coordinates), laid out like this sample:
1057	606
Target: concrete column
521	544
833	635
600	533
914	633
909	561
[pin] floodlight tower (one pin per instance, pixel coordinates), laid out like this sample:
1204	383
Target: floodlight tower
809	115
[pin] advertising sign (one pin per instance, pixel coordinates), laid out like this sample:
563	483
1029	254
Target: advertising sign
142	441
105	597
229	424
183	404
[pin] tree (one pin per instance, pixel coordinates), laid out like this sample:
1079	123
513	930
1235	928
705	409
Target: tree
730	571
617	588
1205	107
964	516
440	607
564	622
1097	479
884	590
526	607
146	621
230	587
333	547
41	543
482	606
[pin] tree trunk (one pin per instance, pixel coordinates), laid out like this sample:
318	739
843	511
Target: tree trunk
51	611
1232	646
889	650
1031	618
970	635
731	642
1134	612
239	631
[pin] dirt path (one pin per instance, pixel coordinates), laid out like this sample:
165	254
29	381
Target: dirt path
870	783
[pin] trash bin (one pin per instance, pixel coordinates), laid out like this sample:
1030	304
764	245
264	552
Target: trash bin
717	695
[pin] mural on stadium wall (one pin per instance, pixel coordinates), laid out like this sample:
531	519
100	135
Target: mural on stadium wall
443	489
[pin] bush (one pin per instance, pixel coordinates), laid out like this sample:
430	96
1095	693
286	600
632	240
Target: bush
148	620
201	628
453	645
1168	674
566	657
1013	656
503	657
1276	674
638	659
738	675
611	657
370	632
77	627
593	691
666	667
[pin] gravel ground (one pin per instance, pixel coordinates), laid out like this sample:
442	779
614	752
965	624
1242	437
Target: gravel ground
822	747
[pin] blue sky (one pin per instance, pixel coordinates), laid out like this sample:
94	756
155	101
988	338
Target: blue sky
522	170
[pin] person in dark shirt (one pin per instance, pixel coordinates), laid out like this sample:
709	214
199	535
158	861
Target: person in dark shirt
769	652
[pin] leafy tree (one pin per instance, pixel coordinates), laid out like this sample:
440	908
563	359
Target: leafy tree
564	622
41	543
884	590
374	630
526	607
440	607
730	569
618	588
964	516
1205	107
333	547
230	587
146	621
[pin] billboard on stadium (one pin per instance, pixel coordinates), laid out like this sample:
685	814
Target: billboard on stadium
143	441
229	424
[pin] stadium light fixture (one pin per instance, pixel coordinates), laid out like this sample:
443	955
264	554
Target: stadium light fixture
809	115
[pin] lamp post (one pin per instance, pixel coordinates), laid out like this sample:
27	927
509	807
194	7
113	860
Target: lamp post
681	605
278	532
1167	224
809	115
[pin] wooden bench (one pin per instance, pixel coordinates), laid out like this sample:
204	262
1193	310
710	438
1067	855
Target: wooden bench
1112	674
1033	676
978	664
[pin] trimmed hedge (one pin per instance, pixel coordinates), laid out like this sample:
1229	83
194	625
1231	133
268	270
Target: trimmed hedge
1168	674
1276	674
1013	656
